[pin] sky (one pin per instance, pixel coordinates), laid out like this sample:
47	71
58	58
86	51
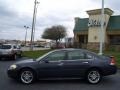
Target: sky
15	14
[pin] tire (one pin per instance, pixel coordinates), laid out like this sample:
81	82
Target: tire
14	57
20	55
93	76
27	76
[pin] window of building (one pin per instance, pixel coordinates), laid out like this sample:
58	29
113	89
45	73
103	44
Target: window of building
115	39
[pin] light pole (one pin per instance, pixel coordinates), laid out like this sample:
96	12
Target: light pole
26	27
102	30
33	25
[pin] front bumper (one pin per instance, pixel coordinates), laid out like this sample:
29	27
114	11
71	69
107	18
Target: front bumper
13	73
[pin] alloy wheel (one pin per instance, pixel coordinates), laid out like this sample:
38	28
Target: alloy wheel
93	76
27	76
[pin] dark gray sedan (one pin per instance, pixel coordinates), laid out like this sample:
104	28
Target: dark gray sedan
64	63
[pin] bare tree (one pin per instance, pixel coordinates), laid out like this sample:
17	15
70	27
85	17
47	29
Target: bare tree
56	33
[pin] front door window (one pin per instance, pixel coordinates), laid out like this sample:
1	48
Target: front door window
56	56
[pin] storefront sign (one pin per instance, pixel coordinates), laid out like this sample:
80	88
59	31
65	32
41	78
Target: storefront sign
95	23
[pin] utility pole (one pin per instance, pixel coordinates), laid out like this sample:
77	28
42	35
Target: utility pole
102	30
33	25
35	19
26	27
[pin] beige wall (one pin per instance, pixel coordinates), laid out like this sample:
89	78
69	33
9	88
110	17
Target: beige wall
94	32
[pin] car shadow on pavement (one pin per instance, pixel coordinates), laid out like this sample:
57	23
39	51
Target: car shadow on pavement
109	80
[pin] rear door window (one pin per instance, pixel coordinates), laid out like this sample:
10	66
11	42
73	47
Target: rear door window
75	55
79	55
14	47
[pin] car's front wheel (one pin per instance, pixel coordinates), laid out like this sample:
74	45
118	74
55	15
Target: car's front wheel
94	76
27	76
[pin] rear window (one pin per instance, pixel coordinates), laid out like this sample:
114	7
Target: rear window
5	46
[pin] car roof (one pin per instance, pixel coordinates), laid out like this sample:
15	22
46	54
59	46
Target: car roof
10	44
72	49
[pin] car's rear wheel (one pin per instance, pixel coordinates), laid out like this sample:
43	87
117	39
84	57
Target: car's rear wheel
20	54
94	76
27	76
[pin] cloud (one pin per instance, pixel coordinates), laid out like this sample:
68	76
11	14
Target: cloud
11	23
112	4
17	13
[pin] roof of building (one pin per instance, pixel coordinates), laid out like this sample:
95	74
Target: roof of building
98	11
81	24
114	23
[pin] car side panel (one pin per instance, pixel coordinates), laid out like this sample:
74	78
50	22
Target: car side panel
75	68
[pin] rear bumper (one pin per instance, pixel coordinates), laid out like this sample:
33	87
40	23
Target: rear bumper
110	70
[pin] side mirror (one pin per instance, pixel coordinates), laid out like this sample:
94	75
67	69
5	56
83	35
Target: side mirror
46	61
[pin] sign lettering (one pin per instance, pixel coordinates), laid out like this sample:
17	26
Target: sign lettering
95	23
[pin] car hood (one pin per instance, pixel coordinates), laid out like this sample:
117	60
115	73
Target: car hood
26	61
4	50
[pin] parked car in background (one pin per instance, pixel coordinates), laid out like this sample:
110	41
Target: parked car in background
11	51
59	46
64	63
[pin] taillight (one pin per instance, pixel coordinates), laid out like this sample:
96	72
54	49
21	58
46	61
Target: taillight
112	62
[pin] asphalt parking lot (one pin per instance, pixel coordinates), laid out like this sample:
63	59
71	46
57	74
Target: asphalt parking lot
108	83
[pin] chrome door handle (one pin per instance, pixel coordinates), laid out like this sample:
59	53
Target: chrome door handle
85	62
60	64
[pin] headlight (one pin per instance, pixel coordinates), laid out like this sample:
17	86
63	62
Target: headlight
13	67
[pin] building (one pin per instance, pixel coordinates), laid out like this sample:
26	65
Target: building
87	30
42	43
4	41
69	41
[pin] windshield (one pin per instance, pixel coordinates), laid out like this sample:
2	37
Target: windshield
43	56
5	46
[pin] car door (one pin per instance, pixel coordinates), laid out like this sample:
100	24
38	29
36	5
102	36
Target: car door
50	66
76	64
